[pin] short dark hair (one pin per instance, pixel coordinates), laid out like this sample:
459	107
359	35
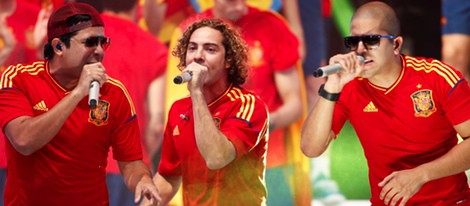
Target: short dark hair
49	51
235	48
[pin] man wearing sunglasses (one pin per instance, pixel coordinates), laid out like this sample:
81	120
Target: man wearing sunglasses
58	144
406	111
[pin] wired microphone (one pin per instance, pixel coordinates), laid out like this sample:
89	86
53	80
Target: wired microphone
93	94
332	69
183	77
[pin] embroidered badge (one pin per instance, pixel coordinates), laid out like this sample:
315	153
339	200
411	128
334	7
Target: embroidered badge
423	103
256	54
99	115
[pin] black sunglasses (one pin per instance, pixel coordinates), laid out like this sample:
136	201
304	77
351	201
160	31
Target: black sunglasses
93	41
371	41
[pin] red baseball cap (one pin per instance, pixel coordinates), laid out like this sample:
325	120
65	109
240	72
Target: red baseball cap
57	24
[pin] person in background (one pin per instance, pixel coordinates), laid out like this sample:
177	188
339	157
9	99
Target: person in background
406	111
216	139
162	17
52	129
456	35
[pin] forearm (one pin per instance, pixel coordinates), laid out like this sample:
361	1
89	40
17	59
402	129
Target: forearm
288	113
216	149
29	134
133	172
167	187
154	14
292	14
289	91
155	107
455	161
316	131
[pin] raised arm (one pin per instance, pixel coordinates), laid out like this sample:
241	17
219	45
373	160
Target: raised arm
317	129
28	134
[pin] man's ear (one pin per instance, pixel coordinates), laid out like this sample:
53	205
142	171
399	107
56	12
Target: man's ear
397	44
56	45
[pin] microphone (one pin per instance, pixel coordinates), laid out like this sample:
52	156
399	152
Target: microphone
183	77
93	94
332	69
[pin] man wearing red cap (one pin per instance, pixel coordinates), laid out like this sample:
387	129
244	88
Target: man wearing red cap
58	144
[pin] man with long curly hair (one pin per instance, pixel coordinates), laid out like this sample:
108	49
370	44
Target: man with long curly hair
215	140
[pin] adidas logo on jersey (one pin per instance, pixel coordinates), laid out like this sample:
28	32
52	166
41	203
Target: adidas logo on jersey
370	108
41	106
176	131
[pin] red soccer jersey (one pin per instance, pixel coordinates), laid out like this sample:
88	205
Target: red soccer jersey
272	48
409	124
143	61
242	117
70	169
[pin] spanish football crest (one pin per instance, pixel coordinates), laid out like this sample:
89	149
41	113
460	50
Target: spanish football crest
99	115
423	103
256	54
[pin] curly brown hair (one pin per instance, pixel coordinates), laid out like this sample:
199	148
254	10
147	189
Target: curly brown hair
235	48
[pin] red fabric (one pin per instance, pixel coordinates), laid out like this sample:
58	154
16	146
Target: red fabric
22	23
326	8
267	55
408	124
70	169
135	58
232	184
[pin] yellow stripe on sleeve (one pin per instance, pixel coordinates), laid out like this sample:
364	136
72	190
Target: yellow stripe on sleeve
126	93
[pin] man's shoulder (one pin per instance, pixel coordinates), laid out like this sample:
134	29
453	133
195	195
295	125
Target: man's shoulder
432	68
20	71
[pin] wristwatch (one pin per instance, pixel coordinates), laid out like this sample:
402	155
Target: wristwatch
328	96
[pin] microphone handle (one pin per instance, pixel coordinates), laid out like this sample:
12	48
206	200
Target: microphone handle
93	94
332	69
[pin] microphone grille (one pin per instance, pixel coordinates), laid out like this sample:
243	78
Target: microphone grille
178	80
361	59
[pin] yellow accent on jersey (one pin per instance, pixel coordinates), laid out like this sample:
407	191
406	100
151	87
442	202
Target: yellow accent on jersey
41	106
370	108
126	93
434	66
248	103
10	73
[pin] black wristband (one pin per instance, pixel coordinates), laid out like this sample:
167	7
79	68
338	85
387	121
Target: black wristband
328	96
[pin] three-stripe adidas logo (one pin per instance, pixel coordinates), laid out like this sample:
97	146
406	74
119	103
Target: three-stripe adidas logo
41	106
176	131
370	108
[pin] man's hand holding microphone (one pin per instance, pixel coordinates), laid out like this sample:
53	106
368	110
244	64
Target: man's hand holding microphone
194	73
342	69
92	77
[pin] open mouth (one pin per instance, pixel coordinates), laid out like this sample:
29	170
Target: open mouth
368	61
